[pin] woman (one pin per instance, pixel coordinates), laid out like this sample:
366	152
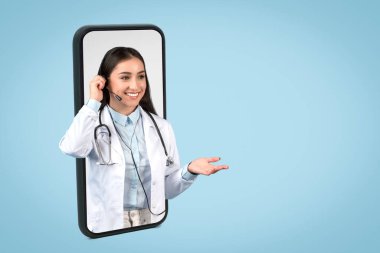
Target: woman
132	162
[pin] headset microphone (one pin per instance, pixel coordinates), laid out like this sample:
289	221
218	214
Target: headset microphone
116	96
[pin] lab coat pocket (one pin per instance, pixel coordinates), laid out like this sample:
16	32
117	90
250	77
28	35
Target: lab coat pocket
170	169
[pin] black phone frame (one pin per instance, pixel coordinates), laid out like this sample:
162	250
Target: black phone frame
78	75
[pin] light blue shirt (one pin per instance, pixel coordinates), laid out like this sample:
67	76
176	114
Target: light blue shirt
131	132
130	129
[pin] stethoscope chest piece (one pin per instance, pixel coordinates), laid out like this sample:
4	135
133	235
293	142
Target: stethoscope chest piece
169	161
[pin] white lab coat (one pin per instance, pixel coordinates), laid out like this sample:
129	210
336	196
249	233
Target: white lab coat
105	183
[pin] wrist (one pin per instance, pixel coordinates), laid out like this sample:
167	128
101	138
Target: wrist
96	98
189	170
93	104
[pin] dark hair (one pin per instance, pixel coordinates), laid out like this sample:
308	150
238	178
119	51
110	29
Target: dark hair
113	57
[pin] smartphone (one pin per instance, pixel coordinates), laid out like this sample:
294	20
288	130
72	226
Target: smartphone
99	211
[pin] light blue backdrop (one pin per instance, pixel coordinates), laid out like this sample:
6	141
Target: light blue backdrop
286	92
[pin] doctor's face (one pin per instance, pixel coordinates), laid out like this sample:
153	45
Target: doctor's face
128	81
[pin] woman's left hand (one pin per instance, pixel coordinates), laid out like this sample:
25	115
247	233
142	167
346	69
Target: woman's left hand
203	166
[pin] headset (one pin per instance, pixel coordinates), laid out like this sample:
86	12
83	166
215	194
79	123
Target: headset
104	129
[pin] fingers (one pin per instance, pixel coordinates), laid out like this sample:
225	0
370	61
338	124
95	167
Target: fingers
213	169
221	167
213	159
217	168
99	77
97	84
99	81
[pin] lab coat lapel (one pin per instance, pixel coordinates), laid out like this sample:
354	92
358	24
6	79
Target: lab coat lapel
156	158
148	131
151	138
116	145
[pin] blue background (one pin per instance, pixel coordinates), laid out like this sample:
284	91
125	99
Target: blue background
286	92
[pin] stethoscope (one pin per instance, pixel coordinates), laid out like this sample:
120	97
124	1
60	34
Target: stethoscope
104	129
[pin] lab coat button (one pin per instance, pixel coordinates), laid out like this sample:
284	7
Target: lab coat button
154	182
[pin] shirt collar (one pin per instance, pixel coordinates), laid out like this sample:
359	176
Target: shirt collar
125	120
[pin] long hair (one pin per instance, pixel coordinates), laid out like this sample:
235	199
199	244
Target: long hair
113	57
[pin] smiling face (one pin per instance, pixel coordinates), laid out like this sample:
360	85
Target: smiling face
128	81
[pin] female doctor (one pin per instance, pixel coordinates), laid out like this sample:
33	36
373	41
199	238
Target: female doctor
132	162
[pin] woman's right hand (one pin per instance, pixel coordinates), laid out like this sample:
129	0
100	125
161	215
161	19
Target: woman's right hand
96	88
